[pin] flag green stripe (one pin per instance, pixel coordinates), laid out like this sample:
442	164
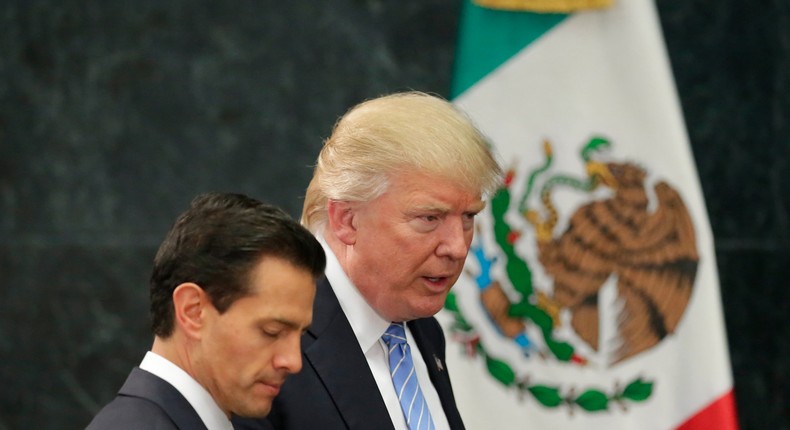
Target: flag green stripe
489	37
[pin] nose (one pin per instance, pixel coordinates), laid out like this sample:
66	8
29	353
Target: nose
455	240
289	356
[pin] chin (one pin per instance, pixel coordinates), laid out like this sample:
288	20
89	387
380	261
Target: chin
431	309
259	411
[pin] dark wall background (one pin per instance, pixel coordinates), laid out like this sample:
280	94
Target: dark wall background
114	114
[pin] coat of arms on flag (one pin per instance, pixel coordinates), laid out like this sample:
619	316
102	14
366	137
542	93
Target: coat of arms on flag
594	284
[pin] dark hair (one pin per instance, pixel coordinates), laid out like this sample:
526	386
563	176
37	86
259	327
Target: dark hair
216	243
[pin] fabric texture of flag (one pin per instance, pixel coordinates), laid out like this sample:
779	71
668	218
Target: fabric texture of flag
590	297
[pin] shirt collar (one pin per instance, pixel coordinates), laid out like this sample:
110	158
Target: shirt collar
368	326
197	396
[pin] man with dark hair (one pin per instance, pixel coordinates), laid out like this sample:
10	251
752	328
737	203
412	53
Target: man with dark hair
232	292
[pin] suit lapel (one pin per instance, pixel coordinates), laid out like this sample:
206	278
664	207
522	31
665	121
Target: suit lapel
337	359
430	339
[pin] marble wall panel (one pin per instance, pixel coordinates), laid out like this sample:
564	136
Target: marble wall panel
114	114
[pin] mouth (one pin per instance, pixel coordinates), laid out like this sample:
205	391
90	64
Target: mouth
269	388
437	284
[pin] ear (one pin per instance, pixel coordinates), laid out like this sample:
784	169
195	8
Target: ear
341	221
190	303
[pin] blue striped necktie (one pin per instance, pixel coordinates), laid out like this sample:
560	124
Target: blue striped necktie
412	402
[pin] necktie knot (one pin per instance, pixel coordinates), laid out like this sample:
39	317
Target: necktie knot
395	334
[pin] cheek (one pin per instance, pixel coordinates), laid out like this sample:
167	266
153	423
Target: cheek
238	349
246	365
394	257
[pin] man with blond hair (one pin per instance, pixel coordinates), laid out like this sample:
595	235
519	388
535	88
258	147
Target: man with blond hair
393	200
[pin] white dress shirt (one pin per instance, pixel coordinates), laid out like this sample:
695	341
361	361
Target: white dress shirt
368	327
197	396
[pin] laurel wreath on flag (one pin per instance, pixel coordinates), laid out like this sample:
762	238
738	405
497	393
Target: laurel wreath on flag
533	307
551	396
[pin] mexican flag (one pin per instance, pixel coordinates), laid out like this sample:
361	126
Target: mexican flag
590	297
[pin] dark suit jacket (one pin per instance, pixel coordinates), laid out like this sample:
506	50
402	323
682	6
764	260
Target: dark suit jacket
335	389
147	402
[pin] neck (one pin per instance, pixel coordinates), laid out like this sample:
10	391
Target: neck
175	353
176	350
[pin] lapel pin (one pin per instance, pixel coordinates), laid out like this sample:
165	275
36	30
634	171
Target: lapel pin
438	363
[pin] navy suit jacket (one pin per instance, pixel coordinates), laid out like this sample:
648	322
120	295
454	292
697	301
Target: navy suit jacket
335	389
147	402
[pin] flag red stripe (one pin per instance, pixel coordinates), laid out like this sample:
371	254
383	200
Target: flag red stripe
719	415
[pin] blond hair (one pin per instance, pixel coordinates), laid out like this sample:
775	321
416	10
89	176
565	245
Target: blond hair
402	132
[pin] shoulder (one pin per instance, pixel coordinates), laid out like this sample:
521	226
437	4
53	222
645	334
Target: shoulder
146	401
131	413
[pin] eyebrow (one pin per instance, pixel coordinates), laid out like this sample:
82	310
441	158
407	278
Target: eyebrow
431	208
285	322
476	207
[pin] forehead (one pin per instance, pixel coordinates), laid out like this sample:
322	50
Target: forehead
278	287
421	190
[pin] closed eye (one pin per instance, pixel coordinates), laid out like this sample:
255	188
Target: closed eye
271	333
273	329
279	328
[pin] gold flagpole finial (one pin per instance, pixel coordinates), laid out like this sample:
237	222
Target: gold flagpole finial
545	6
